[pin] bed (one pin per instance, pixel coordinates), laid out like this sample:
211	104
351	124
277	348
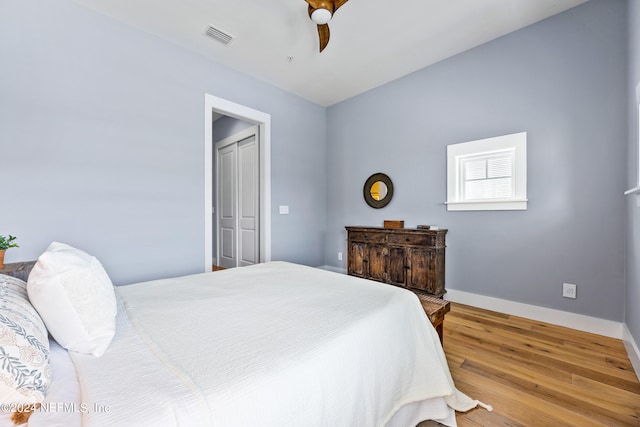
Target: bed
275	344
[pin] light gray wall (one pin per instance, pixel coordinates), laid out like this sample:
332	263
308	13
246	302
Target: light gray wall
632	306
101	144
563	81
226	126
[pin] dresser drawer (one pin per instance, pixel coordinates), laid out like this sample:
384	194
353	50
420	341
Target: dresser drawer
412	239
363	236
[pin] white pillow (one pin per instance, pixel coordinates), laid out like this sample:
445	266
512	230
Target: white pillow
25	374
75	298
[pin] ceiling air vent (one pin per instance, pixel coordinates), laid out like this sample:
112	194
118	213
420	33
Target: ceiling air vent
218	34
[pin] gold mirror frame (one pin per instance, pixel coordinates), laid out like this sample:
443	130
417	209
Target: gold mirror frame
366	191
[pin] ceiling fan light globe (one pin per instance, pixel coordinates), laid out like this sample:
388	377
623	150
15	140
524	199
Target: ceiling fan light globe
321	16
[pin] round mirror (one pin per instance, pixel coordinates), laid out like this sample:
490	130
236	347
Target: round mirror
378	190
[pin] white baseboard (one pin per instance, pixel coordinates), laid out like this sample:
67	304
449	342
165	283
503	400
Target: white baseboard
580	322
632	350
332	268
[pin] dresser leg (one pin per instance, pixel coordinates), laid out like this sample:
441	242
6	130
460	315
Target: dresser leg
440	331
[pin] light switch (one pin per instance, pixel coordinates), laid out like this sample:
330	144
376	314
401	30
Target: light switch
284	210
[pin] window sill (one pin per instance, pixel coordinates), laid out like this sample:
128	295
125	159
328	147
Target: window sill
511	205
634	190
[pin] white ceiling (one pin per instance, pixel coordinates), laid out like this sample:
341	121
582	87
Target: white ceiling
372	41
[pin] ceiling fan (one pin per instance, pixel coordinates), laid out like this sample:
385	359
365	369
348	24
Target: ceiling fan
321	12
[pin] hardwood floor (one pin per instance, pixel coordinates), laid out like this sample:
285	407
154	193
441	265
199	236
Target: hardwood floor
537	374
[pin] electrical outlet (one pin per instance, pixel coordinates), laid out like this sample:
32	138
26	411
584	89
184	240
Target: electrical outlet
339	256
569	290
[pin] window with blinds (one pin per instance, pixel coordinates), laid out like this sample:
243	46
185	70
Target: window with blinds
487	177
488	174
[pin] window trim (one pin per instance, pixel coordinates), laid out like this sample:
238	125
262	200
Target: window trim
636	190
517	143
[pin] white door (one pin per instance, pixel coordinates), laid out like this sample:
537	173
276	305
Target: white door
238	202
227	202
248	202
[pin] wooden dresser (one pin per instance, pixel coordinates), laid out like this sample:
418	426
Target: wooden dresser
399	256
404	257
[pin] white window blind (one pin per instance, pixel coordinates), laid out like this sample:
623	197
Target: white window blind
487	177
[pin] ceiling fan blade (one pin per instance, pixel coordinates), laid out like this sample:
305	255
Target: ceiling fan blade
323	33
323	29
337	4
321	4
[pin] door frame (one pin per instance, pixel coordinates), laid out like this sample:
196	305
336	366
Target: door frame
263	120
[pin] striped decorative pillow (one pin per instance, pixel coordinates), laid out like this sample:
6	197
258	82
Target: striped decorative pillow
25	374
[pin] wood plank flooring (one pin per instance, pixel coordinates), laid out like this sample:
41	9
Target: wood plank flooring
537	374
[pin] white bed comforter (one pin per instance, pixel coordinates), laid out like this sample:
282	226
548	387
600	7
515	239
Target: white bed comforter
272	345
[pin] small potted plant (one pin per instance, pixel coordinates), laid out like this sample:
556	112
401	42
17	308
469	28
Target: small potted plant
6	243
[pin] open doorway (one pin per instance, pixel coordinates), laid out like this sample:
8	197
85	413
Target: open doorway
219	106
